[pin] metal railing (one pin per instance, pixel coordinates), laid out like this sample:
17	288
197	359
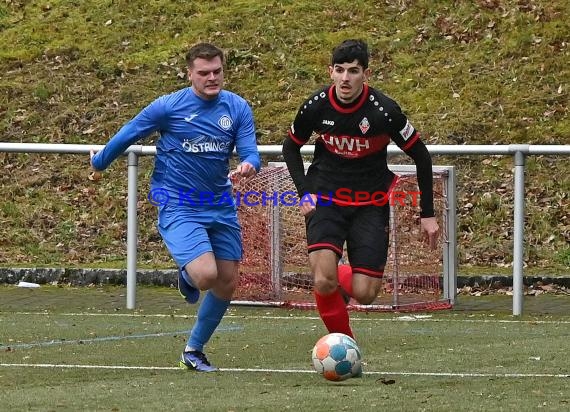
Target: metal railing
518	151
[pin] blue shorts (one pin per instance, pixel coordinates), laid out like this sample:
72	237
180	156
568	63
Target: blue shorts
190	232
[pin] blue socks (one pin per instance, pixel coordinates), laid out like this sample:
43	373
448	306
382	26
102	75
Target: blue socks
210	314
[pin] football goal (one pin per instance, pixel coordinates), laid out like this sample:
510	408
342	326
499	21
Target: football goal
275	269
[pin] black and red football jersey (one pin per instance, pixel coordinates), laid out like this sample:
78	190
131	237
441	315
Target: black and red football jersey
351	141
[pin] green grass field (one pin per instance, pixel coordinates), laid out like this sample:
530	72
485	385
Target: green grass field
79	349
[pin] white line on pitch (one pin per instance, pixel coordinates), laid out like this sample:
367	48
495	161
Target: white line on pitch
54	342
392	373
402	318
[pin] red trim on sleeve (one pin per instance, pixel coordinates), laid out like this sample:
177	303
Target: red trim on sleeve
411	142
296	139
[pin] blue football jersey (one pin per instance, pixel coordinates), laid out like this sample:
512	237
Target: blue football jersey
197	138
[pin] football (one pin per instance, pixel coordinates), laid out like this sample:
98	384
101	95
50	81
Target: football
337	357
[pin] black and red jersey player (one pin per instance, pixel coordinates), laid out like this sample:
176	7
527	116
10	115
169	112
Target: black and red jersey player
345	194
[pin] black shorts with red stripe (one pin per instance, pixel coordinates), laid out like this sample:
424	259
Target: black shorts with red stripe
365	229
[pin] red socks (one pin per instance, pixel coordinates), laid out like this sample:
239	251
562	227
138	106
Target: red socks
332	310
345	278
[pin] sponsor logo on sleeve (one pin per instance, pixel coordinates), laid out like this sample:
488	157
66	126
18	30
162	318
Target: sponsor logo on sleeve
407	131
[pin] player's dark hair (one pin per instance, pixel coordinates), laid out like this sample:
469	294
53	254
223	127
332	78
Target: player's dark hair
203	51
349	51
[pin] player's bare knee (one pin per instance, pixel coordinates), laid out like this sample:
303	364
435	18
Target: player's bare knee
225	290
366	300
227	285
205	279
365	297
325	286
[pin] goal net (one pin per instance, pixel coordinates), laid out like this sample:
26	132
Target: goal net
275	270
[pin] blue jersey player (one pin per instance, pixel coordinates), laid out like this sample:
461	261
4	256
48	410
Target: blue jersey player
199	127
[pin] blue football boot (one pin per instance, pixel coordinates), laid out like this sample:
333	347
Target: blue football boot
197	361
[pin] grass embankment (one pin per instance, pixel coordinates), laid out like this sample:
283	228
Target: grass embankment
482	72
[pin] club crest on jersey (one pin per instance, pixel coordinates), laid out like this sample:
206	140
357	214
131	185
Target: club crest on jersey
225	122
364	125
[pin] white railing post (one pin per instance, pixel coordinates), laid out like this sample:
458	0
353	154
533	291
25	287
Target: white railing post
450	247
518	233
132	228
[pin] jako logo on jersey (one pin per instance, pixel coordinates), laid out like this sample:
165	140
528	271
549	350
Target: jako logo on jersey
364	125
225	122
407	131
205	144
346	144
328	122
189	118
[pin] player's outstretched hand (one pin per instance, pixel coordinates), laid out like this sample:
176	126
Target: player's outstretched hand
430	231
308	205
244	172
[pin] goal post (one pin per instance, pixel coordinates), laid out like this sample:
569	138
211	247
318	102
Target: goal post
275	271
